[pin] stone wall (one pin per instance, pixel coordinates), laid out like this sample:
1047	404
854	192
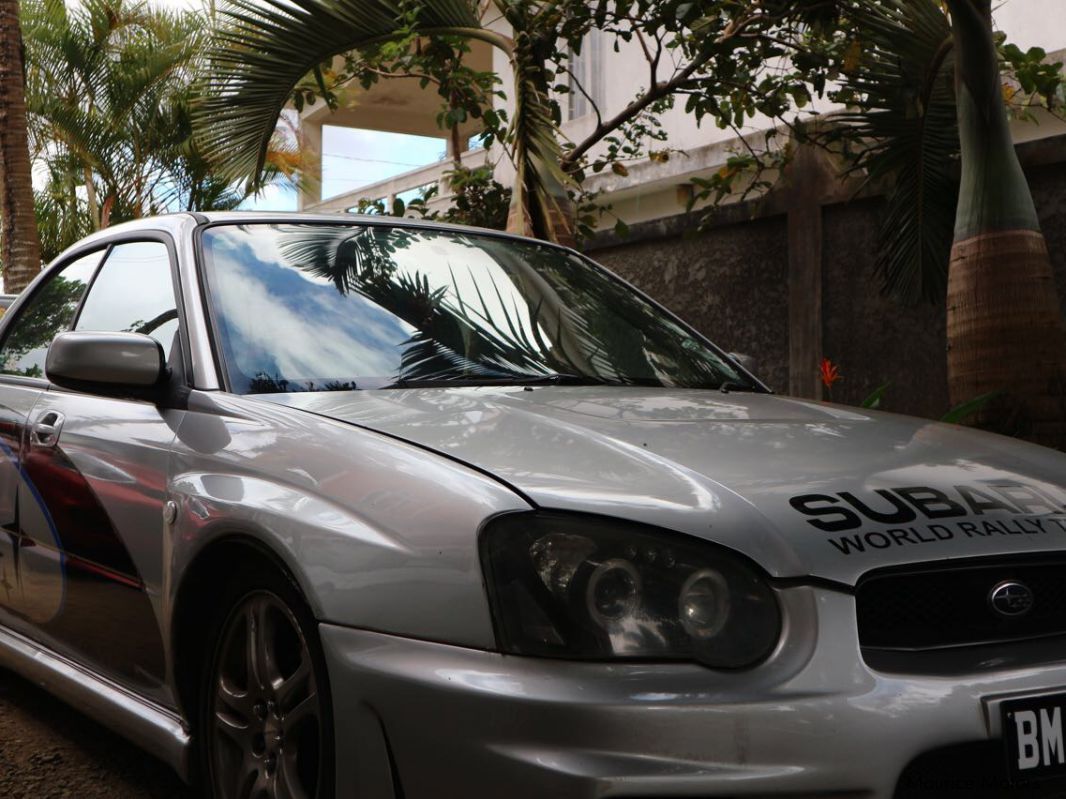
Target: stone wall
873	338
731	283
1048	184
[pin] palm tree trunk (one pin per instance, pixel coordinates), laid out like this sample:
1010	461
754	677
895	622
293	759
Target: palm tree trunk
540	203
90	193
20	249
1004	323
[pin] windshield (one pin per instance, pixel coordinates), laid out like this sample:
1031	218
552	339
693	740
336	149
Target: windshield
319	307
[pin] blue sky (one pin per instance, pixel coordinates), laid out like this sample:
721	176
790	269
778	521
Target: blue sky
352	158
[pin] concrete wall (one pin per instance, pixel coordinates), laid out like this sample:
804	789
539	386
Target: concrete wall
731	283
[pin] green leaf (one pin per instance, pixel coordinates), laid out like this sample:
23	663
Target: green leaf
320	79
903	87
1012	52
965	410
873	402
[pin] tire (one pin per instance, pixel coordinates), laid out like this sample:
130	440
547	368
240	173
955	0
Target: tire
265	722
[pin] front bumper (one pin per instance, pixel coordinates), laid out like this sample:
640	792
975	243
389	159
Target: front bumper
814	720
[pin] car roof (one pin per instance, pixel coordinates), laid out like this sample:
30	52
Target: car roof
167	221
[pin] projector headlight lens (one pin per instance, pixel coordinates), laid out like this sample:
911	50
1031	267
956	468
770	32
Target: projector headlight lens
587	587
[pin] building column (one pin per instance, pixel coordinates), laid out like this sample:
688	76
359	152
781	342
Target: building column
310	186
808	175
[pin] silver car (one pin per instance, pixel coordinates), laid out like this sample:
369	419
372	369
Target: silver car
334	506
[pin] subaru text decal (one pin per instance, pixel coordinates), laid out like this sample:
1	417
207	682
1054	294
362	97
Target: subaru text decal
916	515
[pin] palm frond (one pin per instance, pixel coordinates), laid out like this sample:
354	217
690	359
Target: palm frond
261	50
540	203
109	83
906	118
62	218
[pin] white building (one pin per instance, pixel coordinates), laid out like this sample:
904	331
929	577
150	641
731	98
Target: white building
650	191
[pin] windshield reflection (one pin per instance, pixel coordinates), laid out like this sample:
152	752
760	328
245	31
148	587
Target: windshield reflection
317	307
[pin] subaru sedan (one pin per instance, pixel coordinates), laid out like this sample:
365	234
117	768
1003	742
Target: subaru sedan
331	506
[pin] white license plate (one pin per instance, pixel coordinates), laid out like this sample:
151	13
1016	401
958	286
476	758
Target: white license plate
1034	731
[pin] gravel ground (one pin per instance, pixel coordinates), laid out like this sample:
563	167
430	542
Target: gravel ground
48	750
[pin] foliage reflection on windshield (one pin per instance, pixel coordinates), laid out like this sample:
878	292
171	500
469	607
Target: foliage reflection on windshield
316	307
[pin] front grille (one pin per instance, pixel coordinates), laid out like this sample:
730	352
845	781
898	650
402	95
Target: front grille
949	606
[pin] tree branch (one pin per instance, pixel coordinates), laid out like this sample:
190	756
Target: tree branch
384	73
657	92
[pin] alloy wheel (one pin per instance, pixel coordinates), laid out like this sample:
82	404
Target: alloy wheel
265	712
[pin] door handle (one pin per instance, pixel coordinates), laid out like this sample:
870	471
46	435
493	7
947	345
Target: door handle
46	430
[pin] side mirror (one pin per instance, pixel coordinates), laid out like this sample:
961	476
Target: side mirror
746	361
112	364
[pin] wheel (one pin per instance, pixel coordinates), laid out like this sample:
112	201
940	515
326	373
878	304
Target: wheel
265	722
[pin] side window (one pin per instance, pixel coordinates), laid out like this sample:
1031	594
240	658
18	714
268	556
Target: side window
133	293
49	313
585	79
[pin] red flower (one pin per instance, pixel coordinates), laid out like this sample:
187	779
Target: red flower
830	373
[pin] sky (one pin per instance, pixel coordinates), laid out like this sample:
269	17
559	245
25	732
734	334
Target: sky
352	158
1032	23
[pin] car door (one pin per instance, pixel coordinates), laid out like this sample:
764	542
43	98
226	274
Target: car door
99	468
30	591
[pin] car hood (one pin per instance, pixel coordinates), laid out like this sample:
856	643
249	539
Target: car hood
803	488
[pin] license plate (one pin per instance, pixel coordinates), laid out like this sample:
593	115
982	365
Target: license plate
1034	731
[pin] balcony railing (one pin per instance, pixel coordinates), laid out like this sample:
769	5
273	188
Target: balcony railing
406	186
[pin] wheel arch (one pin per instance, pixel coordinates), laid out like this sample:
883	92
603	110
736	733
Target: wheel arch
202	584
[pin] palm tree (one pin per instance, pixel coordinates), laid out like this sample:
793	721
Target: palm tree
62	214
714	53
262	51
101	83
1005	326
19	248
927	98
901	113
110	90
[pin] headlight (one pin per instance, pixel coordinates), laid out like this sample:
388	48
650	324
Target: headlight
588	587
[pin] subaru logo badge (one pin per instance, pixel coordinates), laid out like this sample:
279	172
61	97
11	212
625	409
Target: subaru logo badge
1010	599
